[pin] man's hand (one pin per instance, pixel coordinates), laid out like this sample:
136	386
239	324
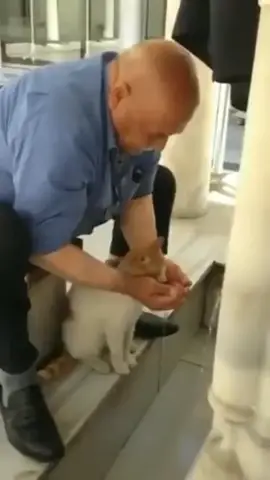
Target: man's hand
153	294
177	279
176	275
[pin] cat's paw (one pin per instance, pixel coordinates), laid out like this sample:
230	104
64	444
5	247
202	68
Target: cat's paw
132	361
122	369
99	366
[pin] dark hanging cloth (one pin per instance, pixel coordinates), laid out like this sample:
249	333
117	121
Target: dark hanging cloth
239	95
221	33
192	28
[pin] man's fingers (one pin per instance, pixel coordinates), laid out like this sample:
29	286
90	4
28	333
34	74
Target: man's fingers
166	303
163	289
171	300
185	280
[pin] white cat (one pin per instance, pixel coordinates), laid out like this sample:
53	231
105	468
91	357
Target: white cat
104	319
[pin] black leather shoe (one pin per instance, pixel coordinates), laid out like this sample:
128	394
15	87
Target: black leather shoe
150	326
29	426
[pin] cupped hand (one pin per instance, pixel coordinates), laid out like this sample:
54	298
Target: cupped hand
155	295
175	275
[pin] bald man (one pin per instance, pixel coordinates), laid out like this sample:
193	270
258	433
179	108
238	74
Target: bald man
80	145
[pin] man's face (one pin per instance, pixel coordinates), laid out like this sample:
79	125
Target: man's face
144	120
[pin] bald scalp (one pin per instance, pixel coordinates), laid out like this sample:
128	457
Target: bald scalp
167	64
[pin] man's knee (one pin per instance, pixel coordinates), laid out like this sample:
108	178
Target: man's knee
15	240
165	183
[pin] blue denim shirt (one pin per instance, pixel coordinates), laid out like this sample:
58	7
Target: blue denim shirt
59	158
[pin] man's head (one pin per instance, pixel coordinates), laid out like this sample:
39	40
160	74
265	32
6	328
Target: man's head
153	93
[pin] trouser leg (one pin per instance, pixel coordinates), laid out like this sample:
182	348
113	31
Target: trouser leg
17	354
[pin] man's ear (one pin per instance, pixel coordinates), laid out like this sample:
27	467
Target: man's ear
118	93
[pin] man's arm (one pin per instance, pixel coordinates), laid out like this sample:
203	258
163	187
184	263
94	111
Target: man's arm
138	225
138	222
55	166
74	265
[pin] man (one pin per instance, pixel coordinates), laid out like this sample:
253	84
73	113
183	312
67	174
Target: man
78	147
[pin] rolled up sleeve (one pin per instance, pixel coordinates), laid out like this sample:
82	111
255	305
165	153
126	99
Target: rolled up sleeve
52	172
146	186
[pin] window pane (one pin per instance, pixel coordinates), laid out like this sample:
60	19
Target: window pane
35	32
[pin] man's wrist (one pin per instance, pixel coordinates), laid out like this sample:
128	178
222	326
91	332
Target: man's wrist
118	281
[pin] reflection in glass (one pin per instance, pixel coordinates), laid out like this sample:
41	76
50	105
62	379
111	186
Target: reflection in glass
42	31
36	32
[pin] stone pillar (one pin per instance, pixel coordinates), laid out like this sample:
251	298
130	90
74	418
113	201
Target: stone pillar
189	155
239	444
130	22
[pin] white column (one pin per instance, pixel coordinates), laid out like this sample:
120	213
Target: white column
109	19
239	445
53	34
189	155
130	22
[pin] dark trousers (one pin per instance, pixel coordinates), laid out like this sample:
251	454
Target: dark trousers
16	352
